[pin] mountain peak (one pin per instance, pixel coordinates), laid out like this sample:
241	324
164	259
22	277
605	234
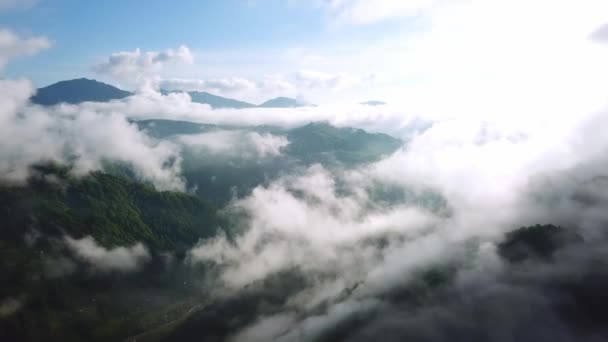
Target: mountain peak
282	102
216	101
76	91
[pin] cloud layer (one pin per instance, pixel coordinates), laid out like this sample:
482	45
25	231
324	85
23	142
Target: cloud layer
361	237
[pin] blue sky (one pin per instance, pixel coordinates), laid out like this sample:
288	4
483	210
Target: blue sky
262	41
84	32
318	50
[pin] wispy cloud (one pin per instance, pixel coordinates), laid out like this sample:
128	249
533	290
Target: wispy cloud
13	45
120	259
370	11
133	67
236	143
225	85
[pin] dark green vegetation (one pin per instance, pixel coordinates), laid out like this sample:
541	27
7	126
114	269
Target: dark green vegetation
77	91
113	210
317	142
536	242
548	276
59	297
166	299
323	143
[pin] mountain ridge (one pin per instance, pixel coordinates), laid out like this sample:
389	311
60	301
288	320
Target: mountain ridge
80	90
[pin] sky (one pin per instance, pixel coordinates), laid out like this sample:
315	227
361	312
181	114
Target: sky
320	51
235	38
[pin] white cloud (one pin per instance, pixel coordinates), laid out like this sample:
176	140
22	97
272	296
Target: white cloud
601	34
12	45
121	259
78	135
136	66
267	86
313	79
303	222
217	85
369	11
236	143
325	224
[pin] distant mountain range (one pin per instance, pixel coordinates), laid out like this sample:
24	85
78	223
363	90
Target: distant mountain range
86	90
217	101
281	102
316	142
218	178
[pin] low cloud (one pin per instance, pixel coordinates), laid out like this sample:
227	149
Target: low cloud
402	248
236	143
363	238
119	259
302	221
392	119
77	135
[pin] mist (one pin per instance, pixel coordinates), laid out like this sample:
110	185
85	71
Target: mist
503	130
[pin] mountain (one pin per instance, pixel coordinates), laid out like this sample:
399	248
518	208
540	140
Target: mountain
322	142
212	100
223	102
218	177
64	294
218	101
77	91
281	102
114	210
83	90
373	103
